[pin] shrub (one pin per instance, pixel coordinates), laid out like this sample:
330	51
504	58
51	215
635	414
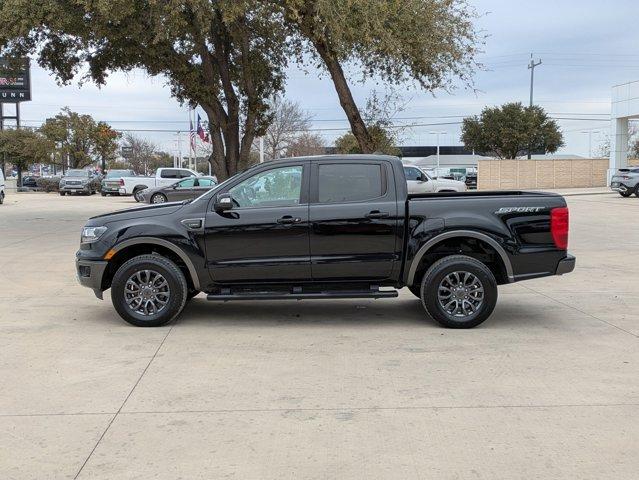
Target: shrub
48	184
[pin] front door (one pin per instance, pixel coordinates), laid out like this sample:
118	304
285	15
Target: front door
264	237
353	215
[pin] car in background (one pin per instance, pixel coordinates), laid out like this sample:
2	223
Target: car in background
111	183
470	179
77	181
185	189
1	186
163	178
419	181
30	181
626	181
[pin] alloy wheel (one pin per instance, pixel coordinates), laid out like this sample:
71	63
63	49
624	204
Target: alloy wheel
460	294
147	292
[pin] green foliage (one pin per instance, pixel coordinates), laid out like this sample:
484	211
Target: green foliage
382	141
80	139
511	130
24	147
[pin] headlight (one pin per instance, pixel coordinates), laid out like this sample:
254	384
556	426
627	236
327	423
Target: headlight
63	181
92	234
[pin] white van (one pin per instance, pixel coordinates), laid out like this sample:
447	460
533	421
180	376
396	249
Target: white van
1	187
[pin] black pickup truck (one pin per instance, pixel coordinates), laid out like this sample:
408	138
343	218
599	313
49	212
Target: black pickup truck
323	228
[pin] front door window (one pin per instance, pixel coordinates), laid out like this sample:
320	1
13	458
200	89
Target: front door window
279	187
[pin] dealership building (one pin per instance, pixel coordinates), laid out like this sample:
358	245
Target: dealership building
625	106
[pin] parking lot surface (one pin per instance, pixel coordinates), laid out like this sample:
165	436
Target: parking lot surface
548	387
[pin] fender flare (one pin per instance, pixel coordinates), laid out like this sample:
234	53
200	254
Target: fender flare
454	234
163	243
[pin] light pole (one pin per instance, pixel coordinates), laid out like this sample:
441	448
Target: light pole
590	132
531	67
438	133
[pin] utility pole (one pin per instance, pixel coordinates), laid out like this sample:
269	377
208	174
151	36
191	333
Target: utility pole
531	67
438	133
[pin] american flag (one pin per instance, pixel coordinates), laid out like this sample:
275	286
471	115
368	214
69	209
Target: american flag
200	131
192	134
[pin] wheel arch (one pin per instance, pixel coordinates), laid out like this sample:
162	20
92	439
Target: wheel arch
141	245
460	234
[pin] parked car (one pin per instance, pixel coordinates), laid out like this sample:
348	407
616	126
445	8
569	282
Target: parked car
111	182
163	177
470	179
2	185
626	181
419	181
324	227
77	181
185	189
30	181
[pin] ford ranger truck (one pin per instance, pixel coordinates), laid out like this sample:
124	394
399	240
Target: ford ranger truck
325	227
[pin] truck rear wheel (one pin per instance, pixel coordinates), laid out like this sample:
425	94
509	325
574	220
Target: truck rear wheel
149	291
459	291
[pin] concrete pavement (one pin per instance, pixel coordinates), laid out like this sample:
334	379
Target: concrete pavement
548	387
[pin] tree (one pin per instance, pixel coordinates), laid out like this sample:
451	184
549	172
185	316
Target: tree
378	116
305	144
288	121
227	56
75	136
430	42
511	130
143	153
25	147
230	56
106	143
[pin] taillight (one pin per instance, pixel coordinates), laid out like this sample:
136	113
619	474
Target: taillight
559	226
122	182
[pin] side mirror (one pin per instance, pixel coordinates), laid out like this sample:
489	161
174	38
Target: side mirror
223	202
424	177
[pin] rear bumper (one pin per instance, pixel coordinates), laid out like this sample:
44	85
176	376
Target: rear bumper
566	265
90	273
620	187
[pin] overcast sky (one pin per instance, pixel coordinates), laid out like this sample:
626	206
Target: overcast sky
586	47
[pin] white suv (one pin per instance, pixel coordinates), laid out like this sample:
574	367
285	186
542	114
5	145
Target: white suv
1	187
419	182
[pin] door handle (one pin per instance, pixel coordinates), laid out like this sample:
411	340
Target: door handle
377	214
288	219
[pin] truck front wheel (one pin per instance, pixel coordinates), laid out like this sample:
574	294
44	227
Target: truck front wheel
459	291
149	291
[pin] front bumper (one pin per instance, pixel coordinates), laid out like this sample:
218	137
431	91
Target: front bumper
566	265
90	273
75	188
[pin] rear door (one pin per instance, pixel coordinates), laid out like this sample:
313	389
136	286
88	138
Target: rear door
353	217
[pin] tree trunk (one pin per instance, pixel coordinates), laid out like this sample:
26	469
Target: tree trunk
345	97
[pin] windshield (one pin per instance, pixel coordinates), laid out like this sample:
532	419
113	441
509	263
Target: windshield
118	173
77	173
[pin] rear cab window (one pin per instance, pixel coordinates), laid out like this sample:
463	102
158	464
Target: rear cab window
350	182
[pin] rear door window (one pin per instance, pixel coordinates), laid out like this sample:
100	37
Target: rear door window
169	173
349	182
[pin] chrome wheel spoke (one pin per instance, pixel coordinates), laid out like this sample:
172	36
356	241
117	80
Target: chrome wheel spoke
460	294
147	292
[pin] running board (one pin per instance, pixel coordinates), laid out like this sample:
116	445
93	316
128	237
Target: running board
225	297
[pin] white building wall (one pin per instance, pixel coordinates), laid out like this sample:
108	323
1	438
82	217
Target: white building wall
625	105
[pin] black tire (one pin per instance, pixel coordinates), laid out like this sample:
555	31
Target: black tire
158	198
636	192
103	194
135	193
62	194
434	277
627	193
1	198
177	290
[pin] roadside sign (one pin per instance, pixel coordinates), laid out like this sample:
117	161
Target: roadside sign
126	152
15	84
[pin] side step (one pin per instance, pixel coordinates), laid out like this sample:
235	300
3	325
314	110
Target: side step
226	295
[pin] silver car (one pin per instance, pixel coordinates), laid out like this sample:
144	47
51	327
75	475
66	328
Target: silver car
185	189
625	181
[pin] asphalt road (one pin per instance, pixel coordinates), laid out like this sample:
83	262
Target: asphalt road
547	388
